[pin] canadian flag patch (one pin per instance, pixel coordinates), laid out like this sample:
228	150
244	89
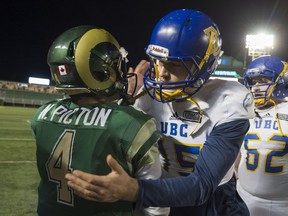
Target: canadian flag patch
62	70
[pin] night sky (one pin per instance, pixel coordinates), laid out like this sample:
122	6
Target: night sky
28	28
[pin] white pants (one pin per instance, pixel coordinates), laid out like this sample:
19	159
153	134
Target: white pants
263	207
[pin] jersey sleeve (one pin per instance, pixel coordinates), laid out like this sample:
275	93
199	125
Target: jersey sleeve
143	102
238	102
149	165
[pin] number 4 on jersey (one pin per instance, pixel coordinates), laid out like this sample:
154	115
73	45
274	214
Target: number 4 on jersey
59	163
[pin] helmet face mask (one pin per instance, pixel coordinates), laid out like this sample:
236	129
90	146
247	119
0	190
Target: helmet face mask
183	36
261	89
267	78
87	59
166	91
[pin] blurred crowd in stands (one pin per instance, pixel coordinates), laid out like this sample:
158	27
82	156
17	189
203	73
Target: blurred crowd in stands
27	87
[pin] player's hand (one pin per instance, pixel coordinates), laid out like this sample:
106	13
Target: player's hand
140	69
117	185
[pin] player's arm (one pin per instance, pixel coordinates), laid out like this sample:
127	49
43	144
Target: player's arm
152	171
217	156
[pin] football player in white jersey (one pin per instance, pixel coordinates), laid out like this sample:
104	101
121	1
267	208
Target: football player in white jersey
263	169
203	123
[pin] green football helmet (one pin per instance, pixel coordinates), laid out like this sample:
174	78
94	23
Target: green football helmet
88	59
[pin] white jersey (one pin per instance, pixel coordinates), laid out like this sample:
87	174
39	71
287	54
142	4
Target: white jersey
263	169
182	136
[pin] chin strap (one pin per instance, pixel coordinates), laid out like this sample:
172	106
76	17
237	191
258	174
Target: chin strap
170	95
133	99
276	116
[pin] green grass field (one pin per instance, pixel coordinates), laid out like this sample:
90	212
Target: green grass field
18	172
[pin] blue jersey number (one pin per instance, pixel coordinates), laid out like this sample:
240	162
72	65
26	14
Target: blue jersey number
186	155
253	156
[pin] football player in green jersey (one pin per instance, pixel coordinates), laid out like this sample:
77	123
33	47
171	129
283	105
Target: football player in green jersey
79	131
202	123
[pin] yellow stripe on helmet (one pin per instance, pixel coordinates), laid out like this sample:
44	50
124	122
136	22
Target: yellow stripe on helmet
87	42
213	46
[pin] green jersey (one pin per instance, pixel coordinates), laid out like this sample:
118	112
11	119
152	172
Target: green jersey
69	136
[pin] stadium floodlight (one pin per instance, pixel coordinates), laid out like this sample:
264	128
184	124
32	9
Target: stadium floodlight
38	81
260	44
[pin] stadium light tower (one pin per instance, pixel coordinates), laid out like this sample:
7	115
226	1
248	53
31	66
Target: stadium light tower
258	45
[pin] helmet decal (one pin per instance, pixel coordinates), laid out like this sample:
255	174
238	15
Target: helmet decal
62	70
88	59
213	45
158	51
215	42
88	41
